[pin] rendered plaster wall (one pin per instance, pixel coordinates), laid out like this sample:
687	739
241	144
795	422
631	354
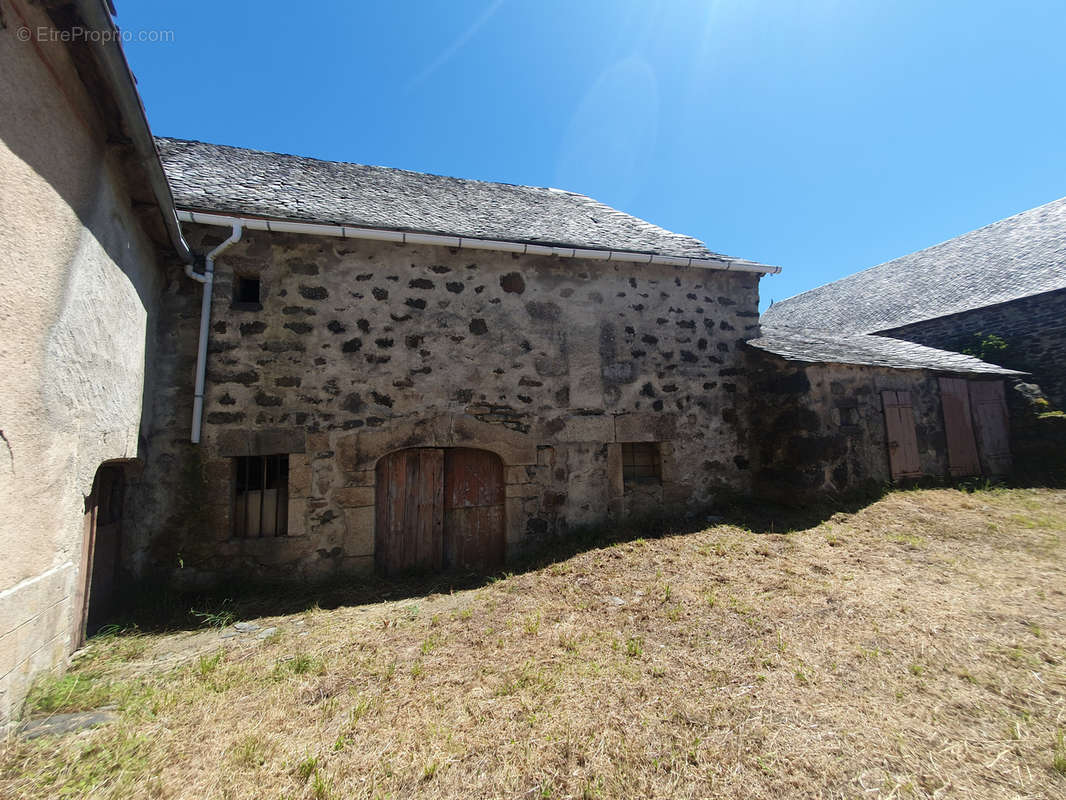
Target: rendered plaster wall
361	348
76	281
1034	329
823	425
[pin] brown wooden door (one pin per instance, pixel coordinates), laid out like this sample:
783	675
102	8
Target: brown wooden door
473	510
962	447
408	533
95	601
902	440
989	406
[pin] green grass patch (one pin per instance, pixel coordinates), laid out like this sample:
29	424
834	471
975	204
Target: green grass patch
77	691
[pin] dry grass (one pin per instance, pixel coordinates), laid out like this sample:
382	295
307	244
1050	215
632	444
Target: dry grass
913	649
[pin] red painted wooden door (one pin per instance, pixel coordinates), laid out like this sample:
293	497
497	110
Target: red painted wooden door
473	510
962	447
990	417
903	458
409	497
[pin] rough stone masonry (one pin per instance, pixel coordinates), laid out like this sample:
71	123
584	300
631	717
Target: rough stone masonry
361	348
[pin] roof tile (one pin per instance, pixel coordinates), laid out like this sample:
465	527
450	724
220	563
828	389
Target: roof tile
823	347
233	180
1016	257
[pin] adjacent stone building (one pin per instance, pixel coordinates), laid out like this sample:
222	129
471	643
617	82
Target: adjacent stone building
86	223
1007	280
521	360
839	412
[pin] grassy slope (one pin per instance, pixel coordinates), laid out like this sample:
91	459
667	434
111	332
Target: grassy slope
915	648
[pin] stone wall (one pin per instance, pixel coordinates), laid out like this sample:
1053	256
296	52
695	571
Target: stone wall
823	425
1034	329
78	287
1038	437
361	348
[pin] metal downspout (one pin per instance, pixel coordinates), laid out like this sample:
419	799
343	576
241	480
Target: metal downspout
208	281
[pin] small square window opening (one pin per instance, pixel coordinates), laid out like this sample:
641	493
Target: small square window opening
261	499
246	291
641	462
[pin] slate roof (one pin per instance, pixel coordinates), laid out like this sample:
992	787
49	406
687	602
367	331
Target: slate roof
1016	257
824	347
233	180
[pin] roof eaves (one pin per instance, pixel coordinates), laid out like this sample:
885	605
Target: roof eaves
802	345
540	247
114	67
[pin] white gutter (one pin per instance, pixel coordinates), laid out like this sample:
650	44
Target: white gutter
384	235
208	281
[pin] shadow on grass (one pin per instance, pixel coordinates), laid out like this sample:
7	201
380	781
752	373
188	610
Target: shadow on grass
155	609
152	607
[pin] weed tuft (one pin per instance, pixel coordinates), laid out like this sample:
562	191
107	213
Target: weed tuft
220	616
320	787
307	767
205	664
302	664
1058	759
250	751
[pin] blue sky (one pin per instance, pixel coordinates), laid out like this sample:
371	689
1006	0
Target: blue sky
821	136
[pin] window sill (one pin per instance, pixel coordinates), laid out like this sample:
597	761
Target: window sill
642	482
286	538
246	306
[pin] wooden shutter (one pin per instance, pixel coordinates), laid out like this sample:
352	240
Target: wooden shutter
962	447
991	419
408	533
473	510
902	440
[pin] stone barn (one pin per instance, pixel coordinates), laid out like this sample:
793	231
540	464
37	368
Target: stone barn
359	369
405	371
998	291
839	412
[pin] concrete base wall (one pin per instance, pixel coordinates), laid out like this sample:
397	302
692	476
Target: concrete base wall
35	615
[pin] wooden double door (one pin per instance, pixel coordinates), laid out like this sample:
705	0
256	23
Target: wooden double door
439	509
976	428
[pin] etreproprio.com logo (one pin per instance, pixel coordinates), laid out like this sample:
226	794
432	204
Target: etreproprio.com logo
80	34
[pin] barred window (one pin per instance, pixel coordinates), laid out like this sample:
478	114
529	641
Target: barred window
641	462
261	499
